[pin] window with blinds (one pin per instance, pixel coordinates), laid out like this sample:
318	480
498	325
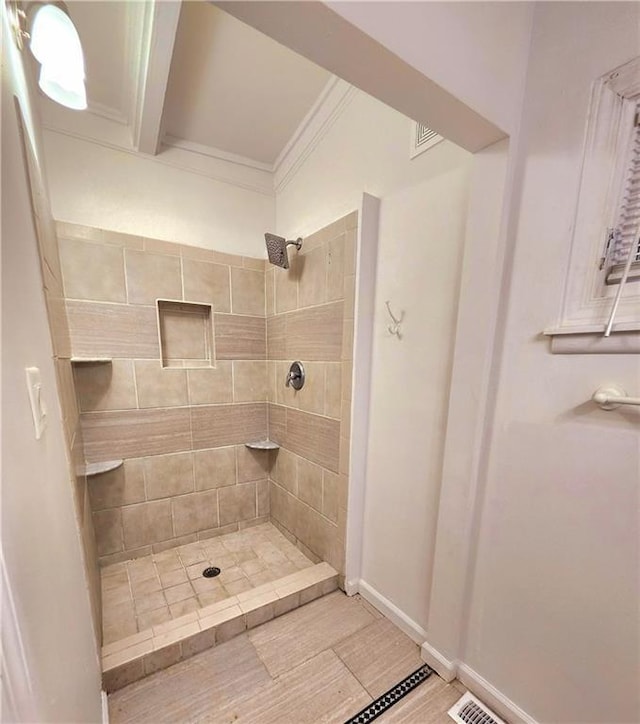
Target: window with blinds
601	294
624	237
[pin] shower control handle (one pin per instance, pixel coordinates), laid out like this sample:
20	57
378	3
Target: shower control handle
295	376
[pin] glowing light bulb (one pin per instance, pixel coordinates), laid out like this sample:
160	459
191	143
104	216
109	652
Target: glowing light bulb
56	46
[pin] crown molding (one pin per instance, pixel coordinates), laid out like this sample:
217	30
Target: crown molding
109	128
331	103
210	151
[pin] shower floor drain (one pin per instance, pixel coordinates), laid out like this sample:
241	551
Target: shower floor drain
211	572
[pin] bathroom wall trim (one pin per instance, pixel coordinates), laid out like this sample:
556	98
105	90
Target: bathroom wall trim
486	692
445	668
330	104
105	707
18	695
366	263
493	697
413	630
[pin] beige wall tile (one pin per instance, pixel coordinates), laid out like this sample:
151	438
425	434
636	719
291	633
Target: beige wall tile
67	230
251	464
204	282
349	297
347	340
285	470
220	425
277	423
247	291
240	337
146	523
211	385
286	285
311	396
106	386
108	529
276	338
262	497
135	433
313	437
67	390
160	246
310	483
315	334
312	285
335	269
194	512
249	381
122	486
168	475
347	371
270	291
158	387
237	502
152	276
117	238
92	271
252	262
332	389
215	468
330	485
271	381
60	332
350	242
286	395
113	330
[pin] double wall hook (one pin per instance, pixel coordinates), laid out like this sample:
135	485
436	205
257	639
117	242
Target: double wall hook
394	328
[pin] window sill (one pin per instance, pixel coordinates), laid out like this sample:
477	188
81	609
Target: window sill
589	339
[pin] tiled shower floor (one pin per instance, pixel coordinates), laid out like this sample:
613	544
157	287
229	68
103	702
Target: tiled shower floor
148	591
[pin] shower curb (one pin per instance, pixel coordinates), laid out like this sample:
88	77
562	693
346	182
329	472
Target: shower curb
144	653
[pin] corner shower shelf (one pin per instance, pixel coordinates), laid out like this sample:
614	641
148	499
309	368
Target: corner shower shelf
102	467
262	445
90	360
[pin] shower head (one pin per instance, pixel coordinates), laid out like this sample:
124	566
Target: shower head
277	249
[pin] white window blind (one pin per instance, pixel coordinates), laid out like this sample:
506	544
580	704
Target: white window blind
624	233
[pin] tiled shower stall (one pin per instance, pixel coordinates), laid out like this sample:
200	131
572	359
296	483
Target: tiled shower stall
179	358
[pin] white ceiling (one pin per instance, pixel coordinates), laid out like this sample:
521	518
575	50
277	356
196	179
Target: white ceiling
226	87
233	88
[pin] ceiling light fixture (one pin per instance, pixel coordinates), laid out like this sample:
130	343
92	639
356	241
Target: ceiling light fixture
55	44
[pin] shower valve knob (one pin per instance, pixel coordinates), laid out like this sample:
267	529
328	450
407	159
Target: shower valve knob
295	376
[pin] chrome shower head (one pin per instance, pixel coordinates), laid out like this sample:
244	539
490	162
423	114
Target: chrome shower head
277	249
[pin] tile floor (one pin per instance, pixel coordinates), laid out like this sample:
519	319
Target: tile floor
148	591
322	662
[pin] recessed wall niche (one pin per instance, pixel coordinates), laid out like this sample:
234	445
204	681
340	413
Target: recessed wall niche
186	334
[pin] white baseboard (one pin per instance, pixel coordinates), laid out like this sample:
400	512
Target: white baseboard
351	587
413	630
445	668
492	697
105	708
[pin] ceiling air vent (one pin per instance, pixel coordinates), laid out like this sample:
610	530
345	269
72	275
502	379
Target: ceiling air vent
422	138
470	710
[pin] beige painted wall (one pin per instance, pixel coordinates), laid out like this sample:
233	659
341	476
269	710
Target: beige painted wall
420	249
110	189
41	546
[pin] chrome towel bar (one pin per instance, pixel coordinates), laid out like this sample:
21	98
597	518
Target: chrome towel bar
608	397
